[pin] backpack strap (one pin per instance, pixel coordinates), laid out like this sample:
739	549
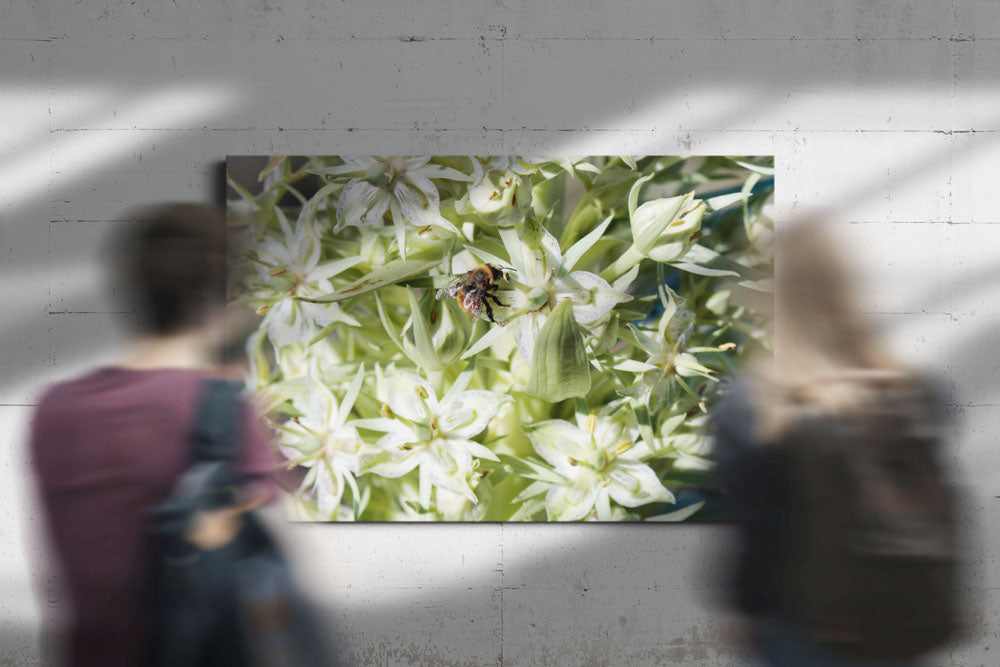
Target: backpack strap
216	419
214	440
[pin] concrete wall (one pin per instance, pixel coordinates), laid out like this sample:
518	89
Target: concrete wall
887	110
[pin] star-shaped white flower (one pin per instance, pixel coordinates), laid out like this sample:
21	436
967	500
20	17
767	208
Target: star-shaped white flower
399	184
290	270
434	436
501	189
323	439
598	462
448	506
543	277
669	364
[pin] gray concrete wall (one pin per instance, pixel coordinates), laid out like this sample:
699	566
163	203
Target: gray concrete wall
887	110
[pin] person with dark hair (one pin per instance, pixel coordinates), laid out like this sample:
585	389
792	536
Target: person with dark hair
110	445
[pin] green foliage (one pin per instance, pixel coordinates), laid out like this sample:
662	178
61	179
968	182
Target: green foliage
571	380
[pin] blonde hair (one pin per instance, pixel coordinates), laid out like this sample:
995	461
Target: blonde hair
826	357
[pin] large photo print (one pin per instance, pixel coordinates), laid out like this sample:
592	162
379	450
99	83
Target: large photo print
503	338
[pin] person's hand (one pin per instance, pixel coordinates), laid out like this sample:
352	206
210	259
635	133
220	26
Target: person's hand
211	529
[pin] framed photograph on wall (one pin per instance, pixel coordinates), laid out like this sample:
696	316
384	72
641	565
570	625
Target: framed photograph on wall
498	338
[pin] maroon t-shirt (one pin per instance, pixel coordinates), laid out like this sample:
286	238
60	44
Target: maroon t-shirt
106	448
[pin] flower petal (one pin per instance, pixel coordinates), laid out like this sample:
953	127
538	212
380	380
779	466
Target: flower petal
329	490
603	505
610	433
327	313
403	389
420	203
652	218
393	463
393	439
594	298
634	483
286	324
411	163
649	344
553	255
557	441
330	269
475	449
351	395
306	246
526	265
468	413
437	171
633	366
527	333
361	203
578	249
379	424
485	196
426	486
322	407
450	466
487	340
455	507
573	501
273	252
399	226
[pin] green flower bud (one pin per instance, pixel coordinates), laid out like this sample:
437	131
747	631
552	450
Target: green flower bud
679	236
560	366
665	229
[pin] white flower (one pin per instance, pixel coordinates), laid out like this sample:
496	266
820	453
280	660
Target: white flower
289	271
668	365
543	277
501	189
598	463
323	439
665	229
456	507
300	360
434	436
399	184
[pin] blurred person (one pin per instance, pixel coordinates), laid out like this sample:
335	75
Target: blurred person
846	541
110	445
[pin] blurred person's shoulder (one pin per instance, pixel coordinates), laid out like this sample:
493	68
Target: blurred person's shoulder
934	395
87	395
116	378
920	393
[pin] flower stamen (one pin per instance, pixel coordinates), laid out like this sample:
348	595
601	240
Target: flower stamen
623	447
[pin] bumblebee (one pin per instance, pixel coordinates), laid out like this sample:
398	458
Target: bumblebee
475	291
